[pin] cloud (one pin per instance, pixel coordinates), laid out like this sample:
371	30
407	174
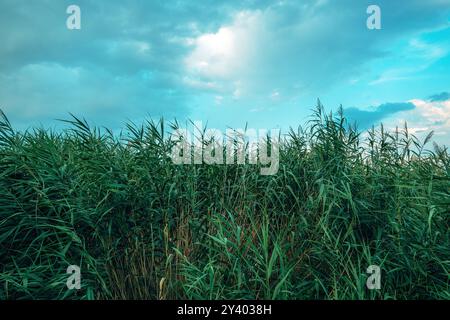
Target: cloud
365	119
421	117
427	116
215	54
415	58
47	91
443	96
309	47
165	58
433	113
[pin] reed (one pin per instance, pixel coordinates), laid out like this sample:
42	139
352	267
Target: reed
141	227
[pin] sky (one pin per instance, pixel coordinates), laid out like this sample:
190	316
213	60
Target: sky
226	63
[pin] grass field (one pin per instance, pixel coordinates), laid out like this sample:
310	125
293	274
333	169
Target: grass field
141	227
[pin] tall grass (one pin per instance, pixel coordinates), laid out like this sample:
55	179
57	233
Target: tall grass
141	227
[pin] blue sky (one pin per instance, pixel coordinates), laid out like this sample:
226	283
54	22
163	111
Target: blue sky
227	63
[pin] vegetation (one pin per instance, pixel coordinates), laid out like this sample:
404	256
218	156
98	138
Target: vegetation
141	227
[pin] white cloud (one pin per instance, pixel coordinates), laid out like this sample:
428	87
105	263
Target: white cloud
425	117
426	51
214	54
224	54
200	84
275	95
433	112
